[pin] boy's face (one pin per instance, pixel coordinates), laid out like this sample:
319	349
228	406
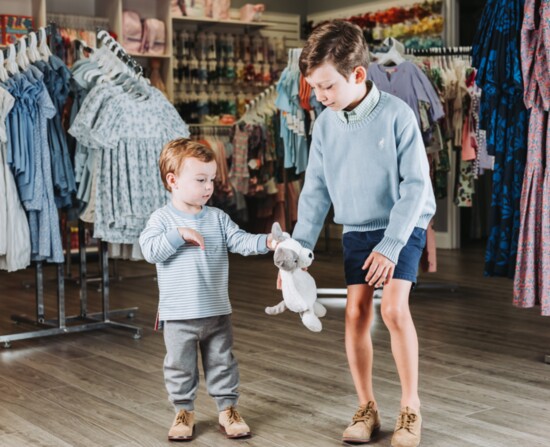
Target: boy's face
194	184
334	90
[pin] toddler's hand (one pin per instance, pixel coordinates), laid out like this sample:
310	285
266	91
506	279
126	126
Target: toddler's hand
271	243
191	237
279	281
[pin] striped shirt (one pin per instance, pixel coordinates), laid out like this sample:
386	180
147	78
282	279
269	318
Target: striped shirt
364	108
193	283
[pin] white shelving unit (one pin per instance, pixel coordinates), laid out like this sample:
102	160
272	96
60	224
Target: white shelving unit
285	26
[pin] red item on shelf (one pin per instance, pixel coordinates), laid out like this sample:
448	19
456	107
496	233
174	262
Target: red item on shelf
13	27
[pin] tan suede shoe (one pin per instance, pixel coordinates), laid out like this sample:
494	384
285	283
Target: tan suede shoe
365	424
183	427
232	424
407	429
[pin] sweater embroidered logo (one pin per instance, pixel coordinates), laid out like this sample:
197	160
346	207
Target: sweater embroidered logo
381	143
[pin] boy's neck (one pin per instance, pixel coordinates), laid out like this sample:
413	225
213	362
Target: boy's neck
185	207
354	104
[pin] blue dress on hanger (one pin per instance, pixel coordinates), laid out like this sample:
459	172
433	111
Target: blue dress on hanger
496	55
56	78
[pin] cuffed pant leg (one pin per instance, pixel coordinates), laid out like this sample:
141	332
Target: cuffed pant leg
181	374
220	366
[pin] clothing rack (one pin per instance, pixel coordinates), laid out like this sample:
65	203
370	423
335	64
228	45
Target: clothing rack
88	321
105	38
440	51
259	97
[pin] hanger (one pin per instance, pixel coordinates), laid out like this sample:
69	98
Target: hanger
32	51
22	58
43	48
11	64
4	76
393	56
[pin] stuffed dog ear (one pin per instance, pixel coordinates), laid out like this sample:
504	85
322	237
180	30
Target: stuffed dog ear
285	259
277	233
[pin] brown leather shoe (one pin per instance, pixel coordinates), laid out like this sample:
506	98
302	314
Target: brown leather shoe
183	427
407	429
232	425
365	424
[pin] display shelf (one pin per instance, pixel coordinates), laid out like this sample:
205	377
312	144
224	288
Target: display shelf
149	56
208	21
285	26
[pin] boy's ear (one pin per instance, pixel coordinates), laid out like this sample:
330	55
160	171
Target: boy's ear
360	74
171	179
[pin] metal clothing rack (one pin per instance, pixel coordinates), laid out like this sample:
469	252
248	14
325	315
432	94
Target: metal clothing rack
440	51
88	321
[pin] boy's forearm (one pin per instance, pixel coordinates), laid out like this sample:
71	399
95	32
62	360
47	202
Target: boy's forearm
159	247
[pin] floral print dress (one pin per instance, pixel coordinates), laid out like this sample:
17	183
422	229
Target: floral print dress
532	276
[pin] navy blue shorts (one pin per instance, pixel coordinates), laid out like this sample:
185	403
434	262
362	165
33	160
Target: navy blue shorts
358	246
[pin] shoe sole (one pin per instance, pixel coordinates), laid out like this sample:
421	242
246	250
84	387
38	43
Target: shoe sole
235	436
182	438
375	431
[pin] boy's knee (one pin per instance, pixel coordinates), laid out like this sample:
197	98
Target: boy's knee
359	314
395	316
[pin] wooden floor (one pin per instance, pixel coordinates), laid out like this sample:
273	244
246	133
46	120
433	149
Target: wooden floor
483	380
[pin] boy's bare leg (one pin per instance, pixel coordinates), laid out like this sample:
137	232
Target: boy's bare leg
404	341
359	316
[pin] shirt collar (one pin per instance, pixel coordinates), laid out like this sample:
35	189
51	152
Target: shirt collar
364	108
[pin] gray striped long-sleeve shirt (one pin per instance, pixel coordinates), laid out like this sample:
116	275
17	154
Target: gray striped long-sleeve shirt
193	283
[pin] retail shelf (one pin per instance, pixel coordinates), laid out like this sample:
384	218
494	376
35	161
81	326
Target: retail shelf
207	21
149	56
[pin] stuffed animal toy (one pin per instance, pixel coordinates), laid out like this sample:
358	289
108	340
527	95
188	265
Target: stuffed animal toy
299	289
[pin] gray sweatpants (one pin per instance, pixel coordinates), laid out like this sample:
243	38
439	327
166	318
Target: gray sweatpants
214	336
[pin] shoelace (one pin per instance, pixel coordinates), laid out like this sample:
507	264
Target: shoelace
405	421
233	415
363	413
183	418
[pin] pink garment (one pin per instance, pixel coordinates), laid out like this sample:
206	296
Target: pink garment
532	275
239	174
154	37
428	262
468	140
132	32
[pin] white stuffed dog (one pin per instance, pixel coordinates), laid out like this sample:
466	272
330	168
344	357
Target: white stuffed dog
299	289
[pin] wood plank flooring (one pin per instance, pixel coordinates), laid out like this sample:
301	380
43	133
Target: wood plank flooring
483	380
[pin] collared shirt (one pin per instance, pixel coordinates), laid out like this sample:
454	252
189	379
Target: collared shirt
364	108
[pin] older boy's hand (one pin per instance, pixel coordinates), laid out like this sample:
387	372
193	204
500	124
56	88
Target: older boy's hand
191	237
380	269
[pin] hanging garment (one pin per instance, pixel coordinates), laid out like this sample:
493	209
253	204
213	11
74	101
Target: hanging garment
28	155
128	135
56	78
532	274
495	53
15	240
409	83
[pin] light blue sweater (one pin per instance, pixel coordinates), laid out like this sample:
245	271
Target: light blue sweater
193	283
375	172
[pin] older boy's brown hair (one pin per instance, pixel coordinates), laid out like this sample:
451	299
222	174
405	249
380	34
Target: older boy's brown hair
338	42
175	152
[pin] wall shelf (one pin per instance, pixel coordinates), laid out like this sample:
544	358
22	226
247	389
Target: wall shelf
207	21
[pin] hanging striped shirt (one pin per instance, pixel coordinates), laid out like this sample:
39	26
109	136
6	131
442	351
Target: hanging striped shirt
193	283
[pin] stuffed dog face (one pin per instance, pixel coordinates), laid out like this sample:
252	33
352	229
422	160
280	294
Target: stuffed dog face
289	254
